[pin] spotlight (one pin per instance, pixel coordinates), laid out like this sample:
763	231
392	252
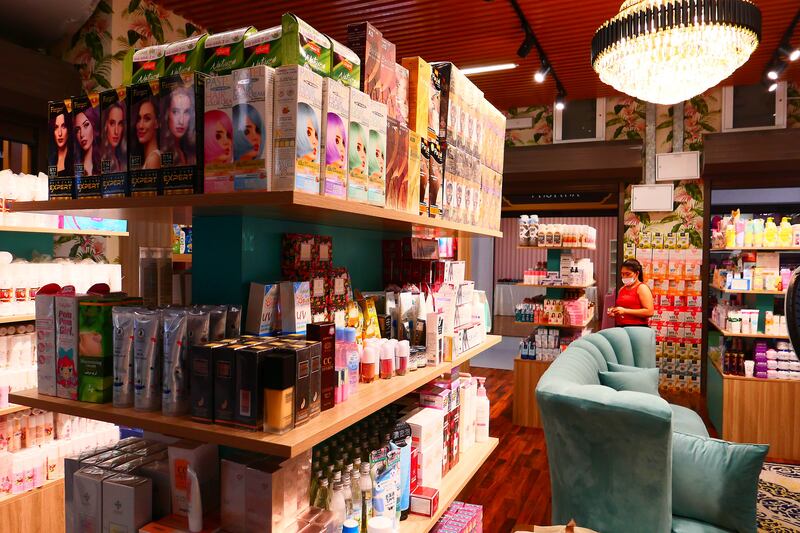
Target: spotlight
773	74
773	87
561	101
792	54
541	74
775	70
526	46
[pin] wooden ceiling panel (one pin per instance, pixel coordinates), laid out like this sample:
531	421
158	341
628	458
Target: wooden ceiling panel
475	32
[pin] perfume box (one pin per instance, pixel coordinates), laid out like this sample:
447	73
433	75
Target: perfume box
114	142
218	142
252	135
181	103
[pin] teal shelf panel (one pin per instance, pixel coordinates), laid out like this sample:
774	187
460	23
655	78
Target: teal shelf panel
21	244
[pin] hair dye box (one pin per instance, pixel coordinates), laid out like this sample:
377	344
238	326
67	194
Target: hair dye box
303	45
388	94
435	179
145	64
296	116
46	339
397	171
335	121
365	40
254	89
185	55
398	108
358	142
295	306
345	65
262	309
424	175
114	142
86	129
218	138
419	94
181	103
411	201
144	151
224	51
127	502
376	185
434	105
60	161
264	48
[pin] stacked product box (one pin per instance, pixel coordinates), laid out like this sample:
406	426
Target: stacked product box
460	518
252	116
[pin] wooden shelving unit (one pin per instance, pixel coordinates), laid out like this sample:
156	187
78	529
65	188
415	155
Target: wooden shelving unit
40	509
63	231
181	258
367	399
11	409
556	286
16	318
726	333
525	247
527	373
452	484
731	291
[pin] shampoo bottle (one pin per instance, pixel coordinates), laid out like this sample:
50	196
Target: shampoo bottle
482	413
758	232
785	233
748	234
770	233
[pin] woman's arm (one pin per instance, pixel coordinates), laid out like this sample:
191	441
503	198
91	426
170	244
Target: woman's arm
646	299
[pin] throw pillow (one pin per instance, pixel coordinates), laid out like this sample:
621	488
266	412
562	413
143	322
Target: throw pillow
645	381
616	367
716	481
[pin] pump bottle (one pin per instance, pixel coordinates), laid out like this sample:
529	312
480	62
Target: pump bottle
482	413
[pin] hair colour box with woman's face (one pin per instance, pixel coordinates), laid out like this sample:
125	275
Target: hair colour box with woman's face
60	166
376	186
144	151
86	139
218	135
358	139
296	116
181	104
335	118
254	89
114	142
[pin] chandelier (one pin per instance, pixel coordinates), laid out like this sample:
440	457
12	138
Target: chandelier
667	51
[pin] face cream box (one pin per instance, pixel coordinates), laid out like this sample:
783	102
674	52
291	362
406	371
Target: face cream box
218	141
86	129
335	121
262	309
181	103
224	51
145	64
264	48
201	379
303	45
254	90
296	116
60	165
144	152
185	55
87	498
114	142
345	65
127	502
358	142
376	146
295	306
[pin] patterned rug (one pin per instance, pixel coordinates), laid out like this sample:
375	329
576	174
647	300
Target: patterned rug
779	499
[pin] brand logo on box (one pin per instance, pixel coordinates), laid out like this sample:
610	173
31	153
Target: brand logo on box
263	49
314	47
223	51
149	65
347	64
180	58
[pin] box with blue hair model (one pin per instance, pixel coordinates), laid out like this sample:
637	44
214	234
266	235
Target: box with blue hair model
252	123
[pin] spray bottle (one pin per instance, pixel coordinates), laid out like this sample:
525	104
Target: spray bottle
482	413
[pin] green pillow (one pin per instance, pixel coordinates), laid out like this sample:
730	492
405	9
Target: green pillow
616	367
716	481
644	381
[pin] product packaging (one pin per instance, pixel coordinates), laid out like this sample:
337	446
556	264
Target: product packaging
224	52
324	333
251	363
233	321
434	103
297	112
397	171
67	341
218	142
419	94
335	121
358	142
303	45
263	48
86	128
252	132
299	251
114	142
279	391
434	344
388	84
399	107
340	290
144	152
182	102
365	40
295	306
60	161
88	505
232	495
409	199
264	497
96	350
218	320
201	380
127	502
424	176
376	151
144	64
345	65
435	179
185	55
175	398
318	284
262	309
204	460
147	360
46	338
225	383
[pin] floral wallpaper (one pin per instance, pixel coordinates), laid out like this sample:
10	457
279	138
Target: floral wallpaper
625	118
540	133
701	114
81	247
687	215
793	106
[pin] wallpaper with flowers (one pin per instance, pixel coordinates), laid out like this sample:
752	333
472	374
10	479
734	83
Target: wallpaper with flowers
625	118
686	217
81	247
541	131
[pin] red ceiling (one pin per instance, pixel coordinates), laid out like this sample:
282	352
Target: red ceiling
476	32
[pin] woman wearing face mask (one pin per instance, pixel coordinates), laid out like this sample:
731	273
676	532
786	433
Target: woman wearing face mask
634	301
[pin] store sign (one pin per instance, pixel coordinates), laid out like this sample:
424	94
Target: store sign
652	198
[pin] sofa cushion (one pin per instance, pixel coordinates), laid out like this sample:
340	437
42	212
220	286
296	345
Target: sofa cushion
644	380
687	525
716	481
621	342
643	342
616	367
593	350
603	345
687	421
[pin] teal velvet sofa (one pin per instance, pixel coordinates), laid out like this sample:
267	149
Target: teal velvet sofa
611	451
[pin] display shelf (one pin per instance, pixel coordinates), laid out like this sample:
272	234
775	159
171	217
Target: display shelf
11	409
181	258
280	205
564	326
538	285
526	247
63	231
367	399
16	318
8	499
452	485
40	509
525	409
726	333
753	249
730	291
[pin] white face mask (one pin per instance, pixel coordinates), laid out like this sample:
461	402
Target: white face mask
628	281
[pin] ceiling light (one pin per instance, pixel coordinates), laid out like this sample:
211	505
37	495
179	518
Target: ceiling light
541	74
488	68
667	51
794	55
773	74
773	87
526	46
561	102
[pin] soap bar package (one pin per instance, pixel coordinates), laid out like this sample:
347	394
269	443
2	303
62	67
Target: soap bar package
46	339
114	142
358	141
87	128
95	350
218	142
144	152
297	114
264	48
262	309
303	45
182	102
435	179
224	51
250	381
60	161
397	171
335	120
127	502
376	193
185	55
419	94
204	460
252	135
345	65
295	306
365	40
87	498
146	64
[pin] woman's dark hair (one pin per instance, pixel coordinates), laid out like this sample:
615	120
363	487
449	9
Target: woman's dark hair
634	266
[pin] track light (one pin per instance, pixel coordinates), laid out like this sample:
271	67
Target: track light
773	87
542	73
527	45
561	101
776	70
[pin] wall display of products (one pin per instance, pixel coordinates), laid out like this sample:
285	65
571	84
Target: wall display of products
573	310
746	231
572	273
460	517
730	317
531	233
545	344
757	272
17	359
761	361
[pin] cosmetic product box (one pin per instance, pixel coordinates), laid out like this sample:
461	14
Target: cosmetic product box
424	176
358	146
250	369
302	45
419	91
265	497
174	523
376	155
114	159
224	52
435	179
127	502
298	253
324	333
225	394
87	500
145	64
185	55
144	107
424	501
388	84
46	338
366	41
61	183
411	199
204	460
318	283
399	110
67	342
253	102
263	48
335	125
397	166
262	309
345	65
295	298
201	380
232	495
85	109
218	127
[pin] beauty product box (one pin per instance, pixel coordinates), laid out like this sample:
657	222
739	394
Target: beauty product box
358	146
435	179
144	152
46	323
397	171
365	40
410	196
427	427
262	309
67	343
254	89
264	497
127	502
95	350
250	368
232	495
324	251
114	142
424	176
263	48
298	253
204	460
158	472
87	500
424	501
419	88
144	64
201	380
434	105
296	116
345	65
182	133
318	283
303	45
218	141
399	108
224	51
295	306
376	152
388	84
86	130
60	161
324	333
225	383
335	122
185	55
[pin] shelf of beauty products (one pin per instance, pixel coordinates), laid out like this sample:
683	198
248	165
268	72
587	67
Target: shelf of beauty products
754	291
11	409
756	335
541	286
546	325
16	318
64	231
452	484
757	249
367	399
528	247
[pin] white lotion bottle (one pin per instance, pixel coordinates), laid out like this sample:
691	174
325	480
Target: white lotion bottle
481	413
195	502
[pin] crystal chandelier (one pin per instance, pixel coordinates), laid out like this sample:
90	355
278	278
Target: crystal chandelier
667	51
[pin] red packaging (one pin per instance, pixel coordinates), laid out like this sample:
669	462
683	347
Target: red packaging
297	254
323	256
318	282
424	501
339	293
414	467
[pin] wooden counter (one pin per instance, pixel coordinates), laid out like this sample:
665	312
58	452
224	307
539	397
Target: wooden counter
527	373
40	509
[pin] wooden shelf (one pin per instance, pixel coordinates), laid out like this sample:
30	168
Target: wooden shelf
726	333
288	205
181	258
525	247
556	286
64	231
16	318
452	485
367	399
564	326
11	409
8	499
752	249
730	291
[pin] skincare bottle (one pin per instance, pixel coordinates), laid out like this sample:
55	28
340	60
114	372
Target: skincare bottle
281	370
387	361
482	413
369	363
740	229
355	485
195	502
337	505
730	236
748	234
353	360
321	499
366	493
758	232
402	355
